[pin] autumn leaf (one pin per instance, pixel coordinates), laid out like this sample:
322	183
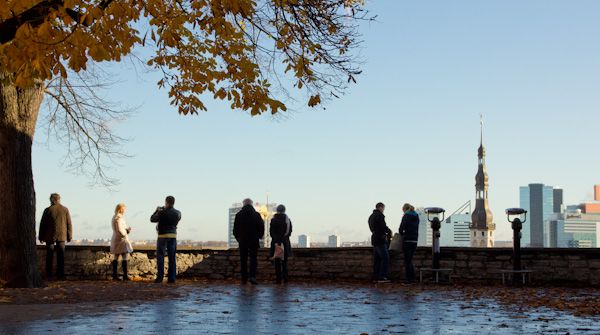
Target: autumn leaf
203	48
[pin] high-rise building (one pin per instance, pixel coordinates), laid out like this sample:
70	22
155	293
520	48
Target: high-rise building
334	241
233	210
425	231
456	231
540	201
482	226
573	229
304	241
592	206
557	200
265	211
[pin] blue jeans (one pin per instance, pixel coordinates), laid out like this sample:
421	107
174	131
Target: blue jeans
381	261
171	245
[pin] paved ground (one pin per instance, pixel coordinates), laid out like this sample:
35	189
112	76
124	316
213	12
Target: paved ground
225	308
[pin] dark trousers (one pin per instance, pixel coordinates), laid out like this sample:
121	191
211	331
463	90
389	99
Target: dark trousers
281	270
170	244
381	261
409	248
60	259
244	253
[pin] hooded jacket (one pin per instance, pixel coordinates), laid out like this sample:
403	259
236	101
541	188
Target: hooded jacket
409	226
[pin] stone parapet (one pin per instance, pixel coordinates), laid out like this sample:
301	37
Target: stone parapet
481	265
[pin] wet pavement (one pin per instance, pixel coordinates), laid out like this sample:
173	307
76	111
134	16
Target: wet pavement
295	309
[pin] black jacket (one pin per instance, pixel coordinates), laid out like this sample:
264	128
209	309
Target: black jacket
167	220
248	227
409	226
56	224
379	229
279	234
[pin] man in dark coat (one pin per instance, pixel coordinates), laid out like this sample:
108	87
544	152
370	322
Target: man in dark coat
380	240
167	219
55	229
248	229
280	231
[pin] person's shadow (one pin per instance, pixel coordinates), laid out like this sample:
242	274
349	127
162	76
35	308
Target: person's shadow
247	310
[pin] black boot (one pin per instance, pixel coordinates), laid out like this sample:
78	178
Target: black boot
114	266
124	265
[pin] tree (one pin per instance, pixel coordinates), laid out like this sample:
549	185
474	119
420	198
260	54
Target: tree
234	50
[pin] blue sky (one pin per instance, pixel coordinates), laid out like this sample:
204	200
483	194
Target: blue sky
407	132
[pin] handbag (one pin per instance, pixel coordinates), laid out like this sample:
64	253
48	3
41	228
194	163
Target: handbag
279	252
396	243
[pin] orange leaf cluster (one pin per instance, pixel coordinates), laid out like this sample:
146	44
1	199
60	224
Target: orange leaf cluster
201	46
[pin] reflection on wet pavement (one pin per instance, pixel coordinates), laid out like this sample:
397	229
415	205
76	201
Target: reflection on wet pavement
296	309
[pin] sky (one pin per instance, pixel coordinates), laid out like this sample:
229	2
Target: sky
408	131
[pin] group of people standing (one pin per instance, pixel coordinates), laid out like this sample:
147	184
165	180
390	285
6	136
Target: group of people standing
381	236
249	227
56	230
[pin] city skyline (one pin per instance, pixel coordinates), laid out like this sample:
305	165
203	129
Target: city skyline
429	73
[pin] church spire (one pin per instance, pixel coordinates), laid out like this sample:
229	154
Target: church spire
481	219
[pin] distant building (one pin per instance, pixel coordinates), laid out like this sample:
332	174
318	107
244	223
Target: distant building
334	241
593	206
482	227
425	232
233	210
266	212
541	202
455	231
573	229
304	241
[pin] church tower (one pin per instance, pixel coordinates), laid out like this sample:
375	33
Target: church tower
482	228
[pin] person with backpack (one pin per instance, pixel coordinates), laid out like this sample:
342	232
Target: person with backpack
409	231
281	248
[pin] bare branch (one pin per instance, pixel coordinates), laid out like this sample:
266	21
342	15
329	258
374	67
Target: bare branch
79	117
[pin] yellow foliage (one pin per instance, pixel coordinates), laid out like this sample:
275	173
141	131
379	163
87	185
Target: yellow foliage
202	46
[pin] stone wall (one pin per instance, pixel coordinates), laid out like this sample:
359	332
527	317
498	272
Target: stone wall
469	264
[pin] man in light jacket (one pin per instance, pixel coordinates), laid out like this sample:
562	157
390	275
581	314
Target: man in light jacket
55	229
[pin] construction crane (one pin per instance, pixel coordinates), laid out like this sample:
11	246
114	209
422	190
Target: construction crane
460	210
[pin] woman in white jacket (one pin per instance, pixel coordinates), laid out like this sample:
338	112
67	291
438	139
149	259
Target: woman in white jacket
119	244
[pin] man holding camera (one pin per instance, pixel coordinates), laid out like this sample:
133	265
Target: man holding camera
167	219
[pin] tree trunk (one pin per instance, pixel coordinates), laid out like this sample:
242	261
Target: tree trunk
18	115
